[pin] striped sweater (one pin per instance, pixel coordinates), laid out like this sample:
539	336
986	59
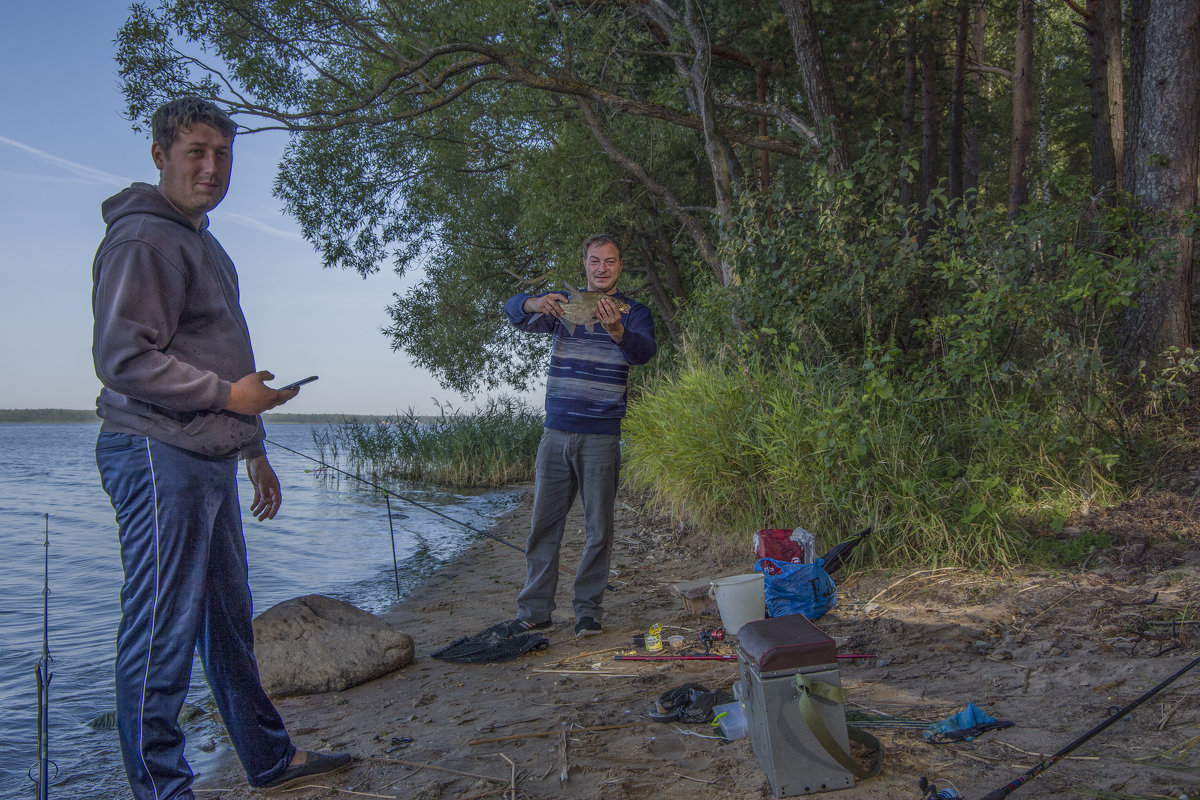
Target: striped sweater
586	390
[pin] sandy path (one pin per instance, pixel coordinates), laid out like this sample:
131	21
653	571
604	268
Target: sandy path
1049	652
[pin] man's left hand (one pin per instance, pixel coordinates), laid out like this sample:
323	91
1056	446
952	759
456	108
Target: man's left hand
267	494
610	317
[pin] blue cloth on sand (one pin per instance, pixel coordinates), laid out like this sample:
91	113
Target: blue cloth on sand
970	717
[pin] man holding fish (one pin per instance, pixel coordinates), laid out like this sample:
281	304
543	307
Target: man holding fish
597	334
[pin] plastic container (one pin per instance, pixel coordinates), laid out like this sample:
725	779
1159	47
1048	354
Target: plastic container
675	641
740	599
729	721
654	638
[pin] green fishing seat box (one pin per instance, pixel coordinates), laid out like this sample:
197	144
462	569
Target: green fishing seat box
771	652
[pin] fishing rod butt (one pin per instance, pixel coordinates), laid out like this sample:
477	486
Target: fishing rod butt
997	794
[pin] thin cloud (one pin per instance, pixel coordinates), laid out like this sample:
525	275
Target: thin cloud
70	166
257	224
100	176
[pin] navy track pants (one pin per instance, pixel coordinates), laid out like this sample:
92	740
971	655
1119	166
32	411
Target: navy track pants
185	589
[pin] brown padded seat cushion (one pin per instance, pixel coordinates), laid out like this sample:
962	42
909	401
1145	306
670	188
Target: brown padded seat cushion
787	642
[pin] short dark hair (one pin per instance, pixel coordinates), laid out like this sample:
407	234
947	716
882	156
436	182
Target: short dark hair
178	115
602	238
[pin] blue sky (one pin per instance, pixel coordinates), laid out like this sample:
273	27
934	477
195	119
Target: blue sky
64	148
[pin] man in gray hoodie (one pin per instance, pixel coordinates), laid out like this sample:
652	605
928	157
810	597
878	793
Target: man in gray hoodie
180	404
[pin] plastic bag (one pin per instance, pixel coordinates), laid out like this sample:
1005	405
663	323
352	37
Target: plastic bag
797	588
785	544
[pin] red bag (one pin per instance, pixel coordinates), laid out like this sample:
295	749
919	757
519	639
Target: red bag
785	544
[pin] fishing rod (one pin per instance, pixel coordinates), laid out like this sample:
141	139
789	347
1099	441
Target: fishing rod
1016	783
43	686
387	492
711	657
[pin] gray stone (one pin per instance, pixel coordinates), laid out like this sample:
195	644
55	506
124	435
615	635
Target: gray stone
316	644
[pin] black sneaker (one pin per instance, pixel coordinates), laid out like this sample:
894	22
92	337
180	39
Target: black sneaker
516	626
588	626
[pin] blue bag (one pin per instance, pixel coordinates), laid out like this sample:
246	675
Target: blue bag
797	588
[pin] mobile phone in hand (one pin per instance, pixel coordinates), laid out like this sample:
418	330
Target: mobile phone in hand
298	384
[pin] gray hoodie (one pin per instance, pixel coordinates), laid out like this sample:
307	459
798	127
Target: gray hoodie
169	336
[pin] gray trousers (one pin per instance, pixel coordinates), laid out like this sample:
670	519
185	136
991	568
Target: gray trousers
567	464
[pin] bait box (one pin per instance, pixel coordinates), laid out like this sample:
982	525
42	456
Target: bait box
771	652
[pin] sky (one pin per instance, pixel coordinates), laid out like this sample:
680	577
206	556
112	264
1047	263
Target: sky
64	148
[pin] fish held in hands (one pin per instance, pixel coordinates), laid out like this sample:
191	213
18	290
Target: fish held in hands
580	308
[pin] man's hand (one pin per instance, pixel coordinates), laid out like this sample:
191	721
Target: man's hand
547	304
250	395
267	494
610	317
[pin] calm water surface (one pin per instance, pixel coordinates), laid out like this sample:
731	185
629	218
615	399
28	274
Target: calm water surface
331	537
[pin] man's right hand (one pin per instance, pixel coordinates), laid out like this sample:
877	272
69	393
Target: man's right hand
546	304
251	396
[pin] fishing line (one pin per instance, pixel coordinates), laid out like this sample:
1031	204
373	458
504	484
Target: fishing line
43	688
386	492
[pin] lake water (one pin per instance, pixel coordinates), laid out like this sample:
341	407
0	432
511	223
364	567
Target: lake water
331	537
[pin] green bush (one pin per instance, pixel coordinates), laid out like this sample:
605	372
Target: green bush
940	376
835	448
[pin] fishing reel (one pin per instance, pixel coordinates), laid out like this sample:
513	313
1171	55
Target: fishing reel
707	638
930	791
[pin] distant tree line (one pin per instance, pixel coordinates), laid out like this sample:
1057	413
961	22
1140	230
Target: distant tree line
47	415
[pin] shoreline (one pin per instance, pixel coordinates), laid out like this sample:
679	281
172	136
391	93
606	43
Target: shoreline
1021	647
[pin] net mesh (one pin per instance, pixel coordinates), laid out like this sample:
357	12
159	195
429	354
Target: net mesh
491	646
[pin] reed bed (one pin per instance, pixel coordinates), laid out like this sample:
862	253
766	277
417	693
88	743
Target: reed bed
493	446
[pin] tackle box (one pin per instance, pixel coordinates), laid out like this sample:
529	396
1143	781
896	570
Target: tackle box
771	652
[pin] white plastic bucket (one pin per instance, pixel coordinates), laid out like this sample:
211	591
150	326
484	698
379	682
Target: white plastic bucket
740	599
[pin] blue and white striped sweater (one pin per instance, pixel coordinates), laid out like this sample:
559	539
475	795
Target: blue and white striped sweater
586	389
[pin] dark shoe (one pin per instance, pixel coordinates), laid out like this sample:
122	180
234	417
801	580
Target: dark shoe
588	626
314	764
517	626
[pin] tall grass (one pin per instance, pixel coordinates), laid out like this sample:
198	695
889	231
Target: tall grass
489	447
943	480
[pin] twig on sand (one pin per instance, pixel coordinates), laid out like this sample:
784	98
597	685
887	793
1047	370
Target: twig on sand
536	734
690	778
512	775
682	732
563	774
1042	755
908	577
587	672
342	791
424	765
578	656
980	759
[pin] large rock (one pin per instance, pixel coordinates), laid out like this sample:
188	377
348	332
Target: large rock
317	644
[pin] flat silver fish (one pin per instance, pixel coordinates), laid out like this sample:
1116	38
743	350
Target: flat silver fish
580	308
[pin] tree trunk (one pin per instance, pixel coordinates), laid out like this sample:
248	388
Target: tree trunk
908	102
707	251
1044	135
1104	146
1162	169
971	162
1022	113
930	122
818	89
764	158
723	164
1116	85
957	87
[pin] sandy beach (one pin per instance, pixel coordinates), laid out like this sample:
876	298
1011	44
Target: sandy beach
1053	653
